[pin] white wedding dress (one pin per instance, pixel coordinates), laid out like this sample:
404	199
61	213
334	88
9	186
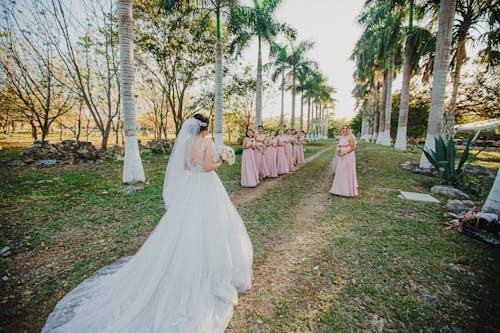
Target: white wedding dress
186	276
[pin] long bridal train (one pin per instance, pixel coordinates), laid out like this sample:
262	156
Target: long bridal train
185	278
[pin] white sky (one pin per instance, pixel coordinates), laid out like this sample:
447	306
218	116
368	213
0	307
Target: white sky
331	24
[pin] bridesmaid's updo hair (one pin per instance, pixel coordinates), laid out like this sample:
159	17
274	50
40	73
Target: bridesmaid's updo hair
203	120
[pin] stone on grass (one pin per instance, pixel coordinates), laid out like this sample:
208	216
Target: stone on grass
459	206
430	298
418	197
378	324
131	189
449	191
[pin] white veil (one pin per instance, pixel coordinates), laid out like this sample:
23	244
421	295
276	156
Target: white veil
179	160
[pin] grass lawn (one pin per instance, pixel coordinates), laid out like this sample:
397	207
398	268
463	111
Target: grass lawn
379	261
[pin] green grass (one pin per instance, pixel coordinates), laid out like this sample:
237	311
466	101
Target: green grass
378	258
64	223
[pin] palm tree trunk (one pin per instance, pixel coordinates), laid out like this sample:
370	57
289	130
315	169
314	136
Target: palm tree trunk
386	139
133	170
492	204
292	122
401	136
383	100
308	114
258	94
439	76
218	85
282	117
376	114
449	116
301	128
364	126
404	105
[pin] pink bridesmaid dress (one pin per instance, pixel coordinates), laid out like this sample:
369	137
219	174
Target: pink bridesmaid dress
281	160
289	153
345	182
270	157
249	172
299	147
260	161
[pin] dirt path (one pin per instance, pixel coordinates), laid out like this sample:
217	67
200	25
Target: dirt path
246	195
273	278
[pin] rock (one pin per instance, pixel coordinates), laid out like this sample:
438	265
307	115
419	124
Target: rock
159	146
46	163
449	191
415	168
67	151
430	298
459	206
131	189
378	324
5	249
488	217
15	163
456	329
118	157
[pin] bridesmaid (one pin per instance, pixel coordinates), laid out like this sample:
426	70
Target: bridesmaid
270	154
259	150
281	160
289	150
249	171
345	182
300	148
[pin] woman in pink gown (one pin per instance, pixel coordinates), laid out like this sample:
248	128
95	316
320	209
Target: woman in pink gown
270	154
299	148
281	160
345	182
260	147
289	150
249	171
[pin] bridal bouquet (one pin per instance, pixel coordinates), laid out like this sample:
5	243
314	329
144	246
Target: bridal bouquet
227	154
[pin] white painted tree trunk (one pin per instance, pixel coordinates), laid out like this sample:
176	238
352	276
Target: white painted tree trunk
282	115
492	204
292	121
218	138
439	76
386	137
404	106
364	127
258	94
133	170
381	121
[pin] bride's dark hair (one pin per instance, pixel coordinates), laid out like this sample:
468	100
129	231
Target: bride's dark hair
203	119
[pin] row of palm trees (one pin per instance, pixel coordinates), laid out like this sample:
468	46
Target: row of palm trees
290	61
387	44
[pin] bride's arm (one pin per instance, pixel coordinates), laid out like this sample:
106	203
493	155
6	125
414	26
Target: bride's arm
208	165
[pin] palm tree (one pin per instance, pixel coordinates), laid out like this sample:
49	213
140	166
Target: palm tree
439	76
419	43
306	81
377	52
258	21
473	15
133	170
280	55
219	8
298	62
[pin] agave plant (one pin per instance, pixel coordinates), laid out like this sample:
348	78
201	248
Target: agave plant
443	158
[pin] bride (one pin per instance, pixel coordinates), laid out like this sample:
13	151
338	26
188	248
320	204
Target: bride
187	275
